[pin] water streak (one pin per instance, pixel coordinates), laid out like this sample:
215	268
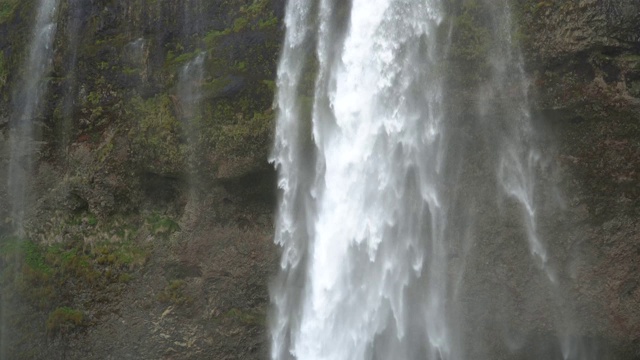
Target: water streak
27	104
190	82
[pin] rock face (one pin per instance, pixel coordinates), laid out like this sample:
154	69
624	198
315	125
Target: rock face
151	229
582	62
149	234
585	66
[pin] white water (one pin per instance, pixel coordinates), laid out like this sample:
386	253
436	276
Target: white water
189	87
189	94
27	103
373	206
374	215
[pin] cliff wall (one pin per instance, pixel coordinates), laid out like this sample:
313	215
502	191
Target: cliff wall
150	234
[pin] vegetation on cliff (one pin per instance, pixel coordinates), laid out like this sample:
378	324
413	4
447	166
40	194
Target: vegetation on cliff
124	173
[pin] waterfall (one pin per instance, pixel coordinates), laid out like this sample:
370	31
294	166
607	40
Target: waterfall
190	82
363	226
389	201
27	102
191	77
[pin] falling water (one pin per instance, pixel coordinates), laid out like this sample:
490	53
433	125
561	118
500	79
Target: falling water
190	90
190	95
27	101
521	163
363	227
189	84
390	203
517	149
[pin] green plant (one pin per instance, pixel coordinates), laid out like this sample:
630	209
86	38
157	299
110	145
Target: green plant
7	9
64	319
41	274
10	245
92	220
34	257
120	255
4	70
212	37
156	134
174	293
162	225
247	317
541	5
173	60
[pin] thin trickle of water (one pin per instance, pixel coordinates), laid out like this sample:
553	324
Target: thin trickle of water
136	55
519	157
521	161
189	94
379	228
189	87
27	103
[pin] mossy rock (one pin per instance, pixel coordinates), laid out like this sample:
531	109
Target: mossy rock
64	320
8	9
156	135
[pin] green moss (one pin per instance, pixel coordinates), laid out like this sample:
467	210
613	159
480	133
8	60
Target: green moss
4	70
162	225
173	60
174	293
34	258
471	39
247	136
541	5
64	319
7	9
634	88
47	275
130	71
268	23
240	24
252	17
631	60
125	278
241	66
123	255
92	220
213	87
470	44
156	135
10	246
235	117
247	317
212	37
